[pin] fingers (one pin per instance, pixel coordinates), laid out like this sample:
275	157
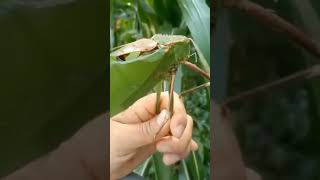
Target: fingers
172	158
169	159
134	159
194	146
141	134
178	121
145	108
175	149
142	125
173	144
142	110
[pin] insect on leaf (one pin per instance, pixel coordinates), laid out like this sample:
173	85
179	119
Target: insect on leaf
134	78
141	45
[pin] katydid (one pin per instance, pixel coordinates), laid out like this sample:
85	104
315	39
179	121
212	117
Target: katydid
136	68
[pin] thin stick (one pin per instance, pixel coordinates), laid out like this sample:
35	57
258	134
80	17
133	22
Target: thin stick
195	89
267	17
196	69
171	90
314	71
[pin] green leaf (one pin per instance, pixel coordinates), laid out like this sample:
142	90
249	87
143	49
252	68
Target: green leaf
168	11
132	55
163	172
194	167
185	169
130	80
196	13
178	83
144	168
146	8
203	61
111	8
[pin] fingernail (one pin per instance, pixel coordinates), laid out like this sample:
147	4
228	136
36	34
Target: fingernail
179	130
162	117
163	148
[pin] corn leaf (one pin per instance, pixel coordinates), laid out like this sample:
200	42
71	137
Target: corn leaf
163	172
196	13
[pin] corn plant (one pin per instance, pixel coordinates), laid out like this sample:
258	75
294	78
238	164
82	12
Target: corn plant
139	66
162	62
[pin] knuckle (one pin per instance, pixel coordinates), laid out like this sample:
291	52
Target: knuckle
146	131
179	149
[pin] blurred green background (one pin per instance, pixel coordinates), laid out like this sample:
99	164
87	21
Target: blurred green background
279	130
53	56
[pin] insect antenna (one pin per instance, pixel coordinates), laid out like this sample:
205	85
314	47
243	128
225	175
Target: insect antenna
202	59
195	55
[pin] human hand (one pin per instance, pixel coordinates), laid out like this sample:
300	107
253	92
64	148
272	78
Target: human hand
137	132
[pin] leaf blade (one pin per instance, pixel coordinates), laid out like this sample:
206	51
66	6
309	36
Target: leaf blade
196	13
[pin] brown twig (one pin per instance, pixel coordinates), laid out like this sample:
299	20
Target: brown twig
314	71
196	69
267	17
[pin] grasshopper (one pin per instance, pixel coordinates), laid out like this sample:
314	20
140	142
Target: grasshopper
136	68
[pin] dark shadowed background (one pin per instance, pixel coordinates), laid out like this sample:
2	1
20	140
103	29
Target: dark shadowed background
278	130
53	56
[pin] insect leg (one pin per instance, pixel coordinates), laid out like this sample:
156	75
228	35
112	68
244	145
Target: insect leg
196	69
195	89
171	98
171	90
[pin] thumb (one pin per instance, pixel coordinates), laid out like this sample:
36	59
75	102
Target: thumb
144	133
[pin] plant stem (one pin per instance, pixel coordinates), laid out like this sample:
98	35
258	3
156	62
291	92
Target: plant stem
312	72
267	17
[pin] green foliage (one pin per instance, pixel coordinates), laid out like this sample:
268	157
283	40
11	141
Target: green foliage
130	80
132	20
197	14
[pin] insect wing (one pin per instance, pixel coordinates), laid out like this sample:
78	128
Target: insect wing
141	45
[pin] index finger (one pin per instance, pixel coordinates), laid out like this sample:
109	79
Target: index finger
144	109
